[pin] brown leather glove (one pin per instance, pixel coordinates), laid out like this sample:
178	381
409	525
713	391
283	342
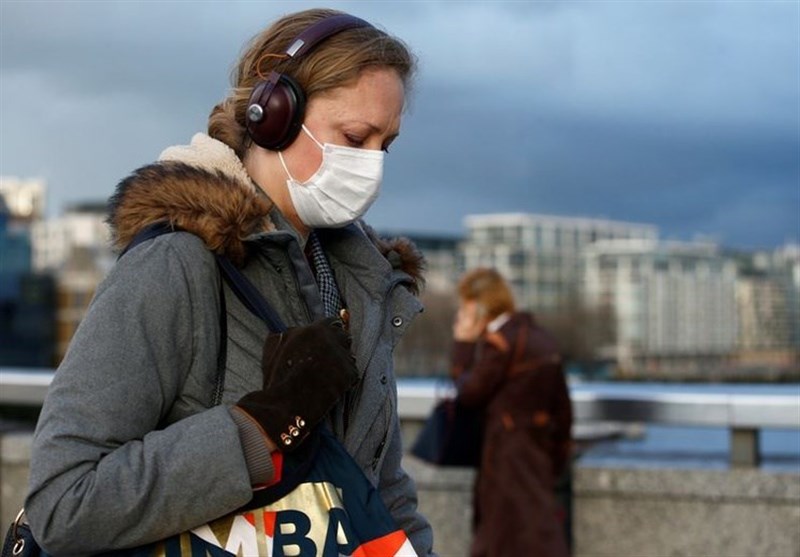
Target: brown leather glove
306	370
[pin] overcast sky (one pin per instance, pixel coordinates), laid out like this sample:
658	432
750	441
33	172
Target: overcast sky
683	114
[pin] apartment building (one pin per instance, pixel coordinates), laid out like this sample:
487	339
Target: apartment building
75	248
541	255
24	197
443	261
674	303
15	254
763	313
27	316
768	304
81	227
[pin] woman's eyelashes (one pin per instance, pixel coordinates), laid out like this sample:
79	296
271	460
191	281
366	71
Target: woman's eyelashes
354	140
358	142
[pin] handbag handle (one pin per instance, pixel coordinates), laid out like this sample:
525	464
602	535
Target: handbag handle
13	533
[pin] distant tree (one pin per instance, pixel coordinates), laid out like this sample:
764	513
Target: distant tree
582	331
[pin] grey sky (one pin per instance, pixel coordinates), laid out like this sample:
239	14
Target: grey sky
685	114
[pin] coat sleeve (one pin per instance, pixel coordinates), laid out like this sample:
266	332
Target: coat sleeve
104	474
562	418
461	358
483	370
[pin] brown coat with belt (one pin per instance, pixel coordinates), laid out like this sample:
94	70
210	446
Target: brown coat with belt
515	374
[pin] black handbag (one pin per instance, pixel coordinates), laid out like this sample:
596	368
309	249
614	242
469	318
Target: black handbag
451	436
453	433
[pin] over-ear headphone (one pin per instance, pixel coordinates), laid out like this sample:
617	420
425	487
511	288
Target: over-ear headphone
277	106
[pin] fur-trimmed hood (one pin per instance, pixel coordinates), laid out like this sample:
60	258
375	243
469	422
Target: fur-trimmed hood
203	188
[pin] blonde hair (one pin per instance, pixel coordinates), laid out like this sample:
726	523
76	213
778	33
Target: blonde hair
487	287
336	62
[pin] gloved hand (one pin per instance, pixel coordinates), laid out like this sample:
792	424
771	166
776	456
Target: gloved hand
306	370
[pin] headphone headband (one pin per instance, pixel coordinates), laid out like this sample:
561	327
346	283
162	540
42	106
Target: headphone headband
277	106
321	30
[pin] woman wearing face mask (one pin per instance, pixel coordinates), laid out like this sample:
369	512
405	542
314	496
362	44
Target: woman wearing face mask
134	445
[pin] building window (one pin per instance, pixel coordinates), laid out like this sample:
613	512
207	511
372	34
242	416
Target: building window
607	264
517	258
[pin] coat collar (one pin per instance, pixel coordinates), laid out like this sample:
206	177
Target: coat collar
204	188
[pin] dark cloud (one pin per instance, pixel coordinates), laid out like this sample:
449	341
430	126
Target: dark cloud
681	177
681	114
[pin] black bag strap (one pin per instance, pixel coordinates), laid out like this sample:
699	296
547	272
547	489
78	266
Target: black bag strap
249	295
148	233
244	289
222	355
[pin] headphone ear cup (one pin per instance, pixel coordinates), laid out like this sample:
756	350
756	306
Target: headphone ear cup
282	113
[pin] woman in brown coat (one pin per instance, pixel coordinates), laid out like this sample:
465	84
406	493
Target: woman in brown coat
508	366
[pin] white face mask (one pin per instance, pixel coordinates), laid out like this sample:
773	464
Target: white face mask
341	190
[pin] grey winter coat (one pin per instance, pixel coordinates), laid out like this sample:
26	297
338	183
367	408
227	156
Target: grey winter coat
129	447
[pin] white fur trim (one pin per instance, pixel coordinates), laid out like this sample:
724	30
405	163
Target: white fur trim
209	154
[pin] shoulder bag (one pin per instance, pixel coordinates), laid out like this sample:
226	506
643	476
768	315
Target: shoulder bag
322	504
451	436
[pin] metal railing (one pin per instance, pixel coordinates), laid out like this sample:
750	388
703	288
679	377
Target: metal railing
744	415
706	409
24	387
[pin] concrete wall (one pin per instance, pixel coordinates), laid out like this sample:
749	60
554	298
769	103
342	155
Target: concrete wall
445	498
731	513
616	512
644	513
